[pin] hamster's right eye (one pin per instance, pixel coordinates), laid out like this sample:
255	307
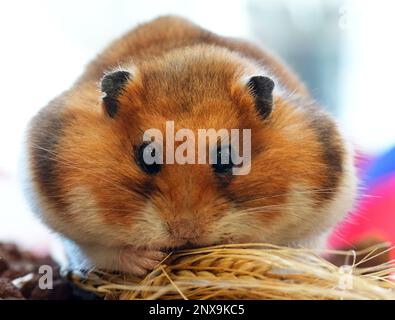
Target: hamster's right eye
223	163
148	158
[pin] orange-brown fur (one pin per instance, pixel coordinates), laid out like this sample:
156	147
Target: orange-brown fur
89	188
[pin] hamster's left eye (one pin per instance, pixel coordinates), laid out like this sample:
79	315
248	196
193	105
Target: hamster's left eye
223	162
148	158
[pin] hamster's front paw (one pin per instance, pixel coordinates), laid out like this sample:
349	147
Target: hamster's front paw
139	262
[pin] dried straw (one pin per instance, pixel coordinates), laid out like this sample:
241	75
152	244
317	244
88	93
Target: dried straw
249	271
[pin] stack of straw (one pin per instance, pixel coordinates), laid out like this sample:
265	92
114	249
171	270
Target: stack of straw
249	271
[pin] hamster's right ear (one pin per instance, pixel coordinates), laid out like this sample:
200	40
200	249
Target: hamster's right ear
112	85
261	89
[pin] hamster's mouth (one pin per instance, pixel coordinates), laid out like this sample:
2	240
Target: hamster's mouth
187	246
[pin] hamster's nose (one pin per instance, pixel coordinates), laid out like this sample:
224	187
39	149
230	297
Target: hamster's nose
184	230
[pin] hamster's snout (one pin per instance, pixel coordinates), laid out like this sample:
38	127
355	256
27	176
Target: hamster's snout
184	230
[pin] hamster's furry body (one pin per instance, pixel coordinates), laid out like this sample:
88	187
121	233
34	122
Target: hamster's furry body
88	186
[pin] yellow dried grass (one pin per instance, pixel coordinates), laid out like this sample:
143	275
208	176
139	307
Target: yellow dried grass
248	271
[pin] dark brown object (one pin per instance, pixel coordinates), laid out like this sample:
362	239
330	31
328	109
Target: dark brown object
15	264
3	265
8	290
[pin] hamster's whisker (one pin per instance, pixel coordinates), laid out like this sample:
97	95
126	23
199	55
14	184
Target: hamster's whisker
263	211
107	209
271	208
370	196
308	192
264	198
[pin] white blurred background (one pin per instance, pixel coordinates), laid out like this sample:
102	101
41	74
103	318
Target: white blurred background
343	50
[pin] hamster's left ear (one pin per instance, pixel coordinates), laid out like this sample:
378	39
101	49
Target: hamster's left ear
112	85
262	90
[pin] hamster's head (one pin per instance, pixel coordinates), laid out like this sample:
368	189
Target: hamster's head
99	180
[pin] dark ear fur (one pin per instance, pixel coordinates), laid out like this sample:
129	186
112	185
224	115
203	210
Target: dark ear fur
112	85
262	89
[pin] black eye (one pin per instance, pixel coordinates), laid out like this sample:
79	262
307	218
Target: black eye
148	159
224	162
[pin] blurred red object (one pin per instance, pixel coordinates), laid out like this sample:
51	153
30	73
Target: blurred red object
374	216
